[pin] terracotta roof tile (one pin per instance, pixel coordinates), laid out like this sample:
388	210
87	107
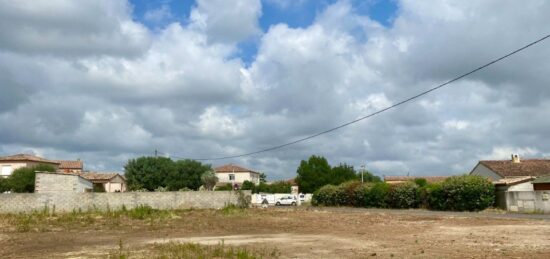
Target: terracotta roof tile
98	176
526	167
232	168
27	157
68	164
430	179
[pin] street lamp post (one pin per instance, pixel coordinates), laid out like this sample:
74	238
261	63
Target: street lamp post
362	171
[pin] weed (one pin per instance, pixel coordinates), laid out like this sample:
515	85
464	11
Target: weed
191	250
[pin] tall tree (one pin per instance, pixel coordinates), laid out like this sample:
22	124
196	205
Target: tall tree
187	174
148	172
342	173
313	174
263	178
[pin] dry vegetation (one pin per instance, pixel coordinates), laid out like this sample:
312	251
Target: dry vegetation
270	233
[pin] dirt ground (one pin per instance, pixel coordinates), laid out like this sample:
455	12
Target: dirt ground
295	233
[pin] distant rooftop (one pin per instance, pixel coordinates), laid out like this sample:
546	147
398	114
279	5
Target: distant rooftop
430	179
523	167
229	168
26	157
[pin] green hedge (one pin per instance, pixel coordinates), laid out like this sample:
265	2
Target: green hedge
461	193
457	193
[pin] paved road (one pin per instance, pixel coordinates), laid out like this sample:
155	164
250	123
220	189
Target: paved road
423	212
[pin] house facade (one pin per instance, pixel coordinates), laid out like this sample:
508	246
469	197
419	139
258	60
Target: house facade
235	174
514	175
55	182
109	182
8	164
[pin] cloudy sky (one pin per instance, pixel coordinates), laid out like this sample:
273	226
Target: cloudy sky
109	80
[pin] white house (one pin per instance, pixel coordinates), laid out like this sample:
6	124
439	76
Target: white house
110	182
235	174
514	175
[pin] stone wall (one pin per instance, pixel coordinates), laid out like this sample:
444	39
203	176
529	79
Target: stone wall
533	201
60	182
66	202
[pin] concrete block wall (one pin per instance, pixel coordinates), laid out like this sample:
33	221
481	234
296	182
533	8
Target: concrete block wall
66	202
528	201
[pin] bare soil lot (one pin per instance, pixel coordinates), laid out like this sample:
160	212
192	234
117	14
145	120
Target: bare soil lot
281	233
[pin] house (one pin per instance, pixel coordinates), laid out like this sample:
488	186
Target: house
514	175
8	164
69	166
236	175
402	179
516	167
110	182
55	182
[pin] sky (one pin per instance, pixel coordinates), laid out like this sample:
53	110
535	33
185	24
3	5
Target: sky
105	81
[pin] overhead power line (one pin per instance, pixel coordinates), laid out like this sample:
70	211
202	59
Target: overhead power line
376	112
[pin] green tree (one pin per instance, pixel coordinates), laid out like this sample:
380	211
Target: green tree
342	173
263	178
248	185
313	174
23	179
187	174
368	177
209	180
148	172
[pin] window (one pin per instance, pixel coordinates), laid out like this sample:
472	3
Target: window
231	177
6	170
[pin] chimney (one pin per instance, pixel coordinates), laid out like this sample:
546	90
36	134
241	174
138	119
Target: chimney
515	158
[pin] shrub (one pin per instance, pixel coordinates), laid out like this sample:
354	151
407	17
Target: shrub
22	179
326	195
248	185
349	194
376	196
421	182
404	196
4	186
226	187
460	193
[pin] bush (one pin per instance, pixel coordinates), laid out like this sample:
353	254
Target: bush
404	196
376	196
462	193
248	185
276	187
22	179
457	193
4	186
326	196
226	187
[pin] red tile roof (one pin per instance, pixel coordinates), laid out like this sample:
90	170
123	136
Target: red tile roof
98	177
68	164
526	167
229	168
26	157
430	179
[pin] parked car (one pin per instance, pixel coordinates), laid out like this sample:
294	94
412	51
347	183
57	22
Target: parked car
302	197
287	200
